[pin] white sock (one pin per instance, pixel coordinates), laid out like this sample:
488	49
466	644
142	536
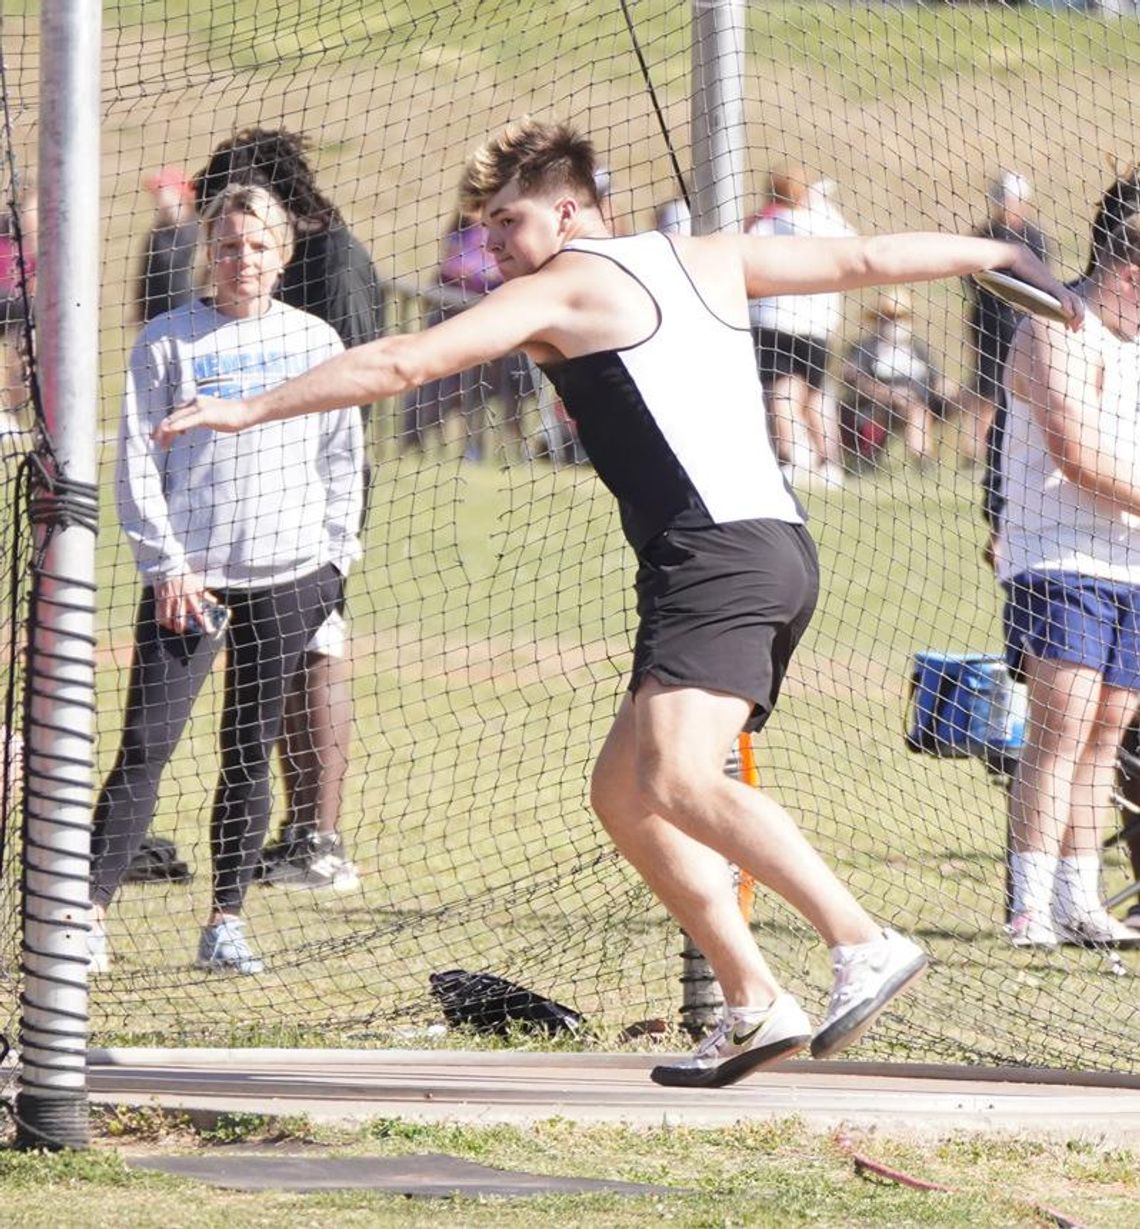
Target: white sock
1077	889
749	1012
1033	875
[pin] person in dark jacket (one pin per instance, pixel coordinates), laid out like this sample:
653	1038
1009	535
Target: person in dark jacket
166	274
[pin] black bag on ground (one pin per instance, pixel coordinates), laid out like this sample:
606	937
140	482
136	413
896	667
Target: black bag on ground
492	1004
157	861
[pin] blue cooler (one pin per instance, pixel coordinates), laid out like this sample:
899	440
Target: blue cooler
965	705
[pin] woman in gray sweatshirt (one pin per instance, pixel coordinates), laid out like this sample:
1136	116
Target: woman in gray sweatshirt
242	541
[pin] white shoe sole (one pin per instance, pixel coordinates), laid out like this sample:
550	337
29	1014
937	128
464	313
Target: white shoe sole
1024	943
1075	937
218	966
849	1028
732	1069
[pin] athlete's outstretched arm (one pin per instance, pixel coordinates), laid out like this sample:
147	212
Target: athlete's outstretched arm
774	266
503	321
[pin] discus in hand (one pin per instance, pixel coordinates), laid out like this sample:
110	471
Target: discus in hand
1021	295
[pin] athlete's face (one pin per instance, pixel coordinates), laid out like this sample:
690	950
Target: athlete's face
523	232
247	260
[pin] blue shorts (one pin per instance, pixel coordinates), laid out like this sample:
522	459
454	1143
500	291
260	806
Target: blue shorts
1062	616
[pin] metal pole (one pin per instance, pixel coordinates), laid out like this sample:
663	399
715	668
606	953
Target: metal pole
51	1104
718	130
718	140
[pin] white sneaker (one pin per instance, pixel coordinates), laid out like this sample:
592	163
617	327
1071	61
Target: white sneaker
740	1043
867	977
98	953
319	863
1029	930
223	948
1097	928
330	870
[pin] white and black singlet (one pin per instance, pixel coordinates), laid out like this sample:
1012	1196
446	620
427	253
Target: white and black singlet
676	428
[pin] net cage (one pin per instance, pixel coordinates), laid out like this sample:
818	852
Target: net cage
444	724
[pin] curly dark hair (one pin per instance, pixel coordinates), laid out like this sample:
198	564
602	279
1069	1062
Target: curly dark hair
272	158
1116	222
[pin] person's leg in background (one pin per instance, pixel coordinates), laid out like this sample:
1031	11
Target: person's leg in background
773	361
1132	842
310	850
269	632
1062	700
914	411
1078	912
167	672
1128	818
475	387
784	411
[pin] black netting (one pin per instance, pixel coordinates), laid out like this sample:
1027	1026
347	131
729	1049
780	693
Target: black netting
445	729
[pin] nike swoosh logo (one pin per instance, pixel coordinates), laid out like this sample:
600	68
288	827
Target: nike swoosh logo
742	1039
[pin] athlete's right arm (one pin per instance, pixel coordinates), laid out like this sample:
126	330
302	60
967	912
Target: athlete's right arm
505	320
1062	380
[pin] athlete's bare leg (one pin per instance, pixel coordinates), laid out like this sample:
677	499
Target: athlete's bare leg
314	745
811	415
660	790
1093	782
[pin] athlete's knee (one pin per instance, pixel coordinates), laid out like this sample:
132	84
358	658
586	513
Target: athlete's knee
611	798
674	786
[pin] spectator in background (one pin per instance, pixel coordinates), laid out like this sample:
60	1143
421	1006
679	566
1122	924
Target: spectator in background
604	185
673	217
261	525
1128	779
19	237
792	332
1068	554
467	272
992	322
889	379
331	276
166	275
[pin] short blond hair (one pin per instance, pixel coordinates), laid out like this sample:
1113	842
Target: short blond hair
256	202
542	157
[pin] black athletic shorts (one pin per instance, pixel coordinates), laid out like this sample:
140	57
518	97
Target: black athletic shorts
723	608
787	354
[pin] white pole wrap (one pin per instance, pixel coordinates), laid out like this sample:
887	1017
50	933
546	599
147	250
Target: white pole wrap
51	1104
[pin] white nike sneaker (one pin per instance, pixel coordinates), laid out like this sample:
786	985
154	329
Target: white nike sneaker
867	977
741	1042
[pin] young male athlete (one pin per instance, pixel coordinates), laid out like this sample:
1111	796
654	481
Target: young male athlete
647	341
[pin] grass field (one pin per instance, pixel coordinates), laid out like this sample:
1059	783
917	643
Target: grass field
491	617
776	1174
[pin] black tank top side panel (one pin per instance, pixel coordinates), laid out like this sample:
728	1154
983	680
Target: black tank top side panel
626	446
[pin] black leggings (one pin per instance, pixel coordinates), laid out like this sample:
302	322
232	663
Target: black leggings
268	632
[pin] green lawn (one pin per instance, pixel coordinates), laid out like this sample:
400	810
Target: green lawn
777	1174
